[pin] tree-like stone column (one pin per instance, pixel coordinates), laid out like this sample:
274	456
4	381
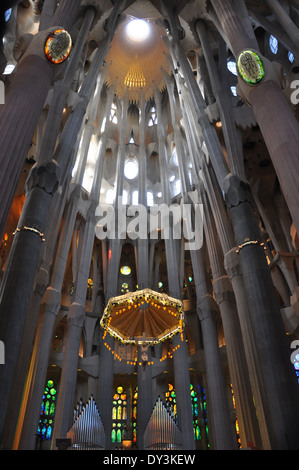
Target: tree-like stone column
23	106
41	186
281	132
280	382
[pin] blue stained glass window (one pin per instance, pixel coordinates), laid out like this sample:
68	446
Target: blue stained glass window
273	42
291	57
232	67
8	14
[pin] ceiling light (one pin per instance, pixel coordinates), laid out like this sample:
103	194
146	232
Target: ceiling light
138	30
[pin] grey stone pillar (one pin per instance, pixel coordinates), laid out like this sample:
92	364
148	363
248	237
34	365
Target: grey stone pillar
21	270
233	269
245	410
50	306
105	393
281	133
66	394
224	295
221	423
280	382
36	377
207	311
24	104
60	90
75	320
144	371
144	402
105	387
180	359
13	412
208	131
221	90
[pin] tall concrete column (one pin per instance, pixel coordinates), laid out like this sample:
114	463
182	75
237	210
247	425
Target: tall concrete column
144	371
224	295
75	322
233	269
49	309
207	311
24	104
145	401
281	132
105	389
222	93
180	359
105	384
280	382
223	437
68	379
248	225
21	270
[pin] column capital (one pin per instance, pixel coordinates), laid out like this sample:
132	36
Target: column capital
232	263
76	315
44	176
51	301
41	282
223	289
207	307
236	191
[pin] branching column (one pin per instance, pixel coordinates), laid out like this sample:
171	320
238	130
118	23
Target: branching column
246	414
181	370
281	132
24	104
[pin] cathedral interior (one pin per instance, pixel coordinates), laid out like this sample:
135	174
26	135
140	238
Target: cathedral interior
123	326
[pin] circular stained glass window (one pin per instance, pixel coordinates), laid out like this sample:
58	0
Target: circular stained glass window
250	67
58	46
126	270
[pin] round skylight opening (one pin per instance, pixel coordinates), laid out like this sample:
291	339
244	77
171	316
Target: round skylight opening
138	30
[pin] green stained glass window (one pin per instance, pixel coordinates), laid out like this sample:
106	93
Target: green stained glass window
250	67
47	412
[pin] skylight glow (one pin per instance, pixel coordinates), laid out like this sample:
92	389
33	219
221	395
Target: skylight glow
138	30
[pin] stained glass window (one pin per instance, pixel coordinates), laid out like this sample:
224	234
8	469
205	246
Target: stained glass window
125	270
119	415
198	402
273	43
236	423
291	57
7	14
134	415
232	67
46	420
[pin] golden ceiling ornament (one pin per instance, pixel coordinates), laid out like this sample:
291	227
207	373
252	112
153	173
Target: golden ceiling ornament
135	77
149	68
143	317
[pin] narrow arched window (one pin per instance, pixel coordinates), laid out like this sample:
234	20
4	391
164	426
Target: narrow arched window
48	405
